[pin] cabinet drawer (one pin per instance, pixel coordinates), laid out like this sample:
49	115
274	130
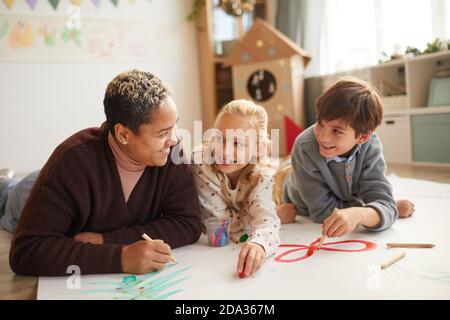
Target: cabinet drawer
431	137
394	133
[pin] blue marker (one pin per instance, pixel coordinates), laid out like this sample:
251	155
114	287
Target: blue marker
223	239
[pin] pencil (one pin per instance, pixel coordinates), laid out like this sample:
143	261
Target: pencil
324	237
146	237
393	260
410	245
322	240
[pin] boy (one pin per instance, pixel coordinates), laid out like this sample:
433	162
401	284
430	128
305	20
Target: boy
338	163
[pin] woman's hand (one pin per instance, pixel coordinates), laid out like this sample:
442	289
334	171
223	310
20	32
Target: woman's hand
89	237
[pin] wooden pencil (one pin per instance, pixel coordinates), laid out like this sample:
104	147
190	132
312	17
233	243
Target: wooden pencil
410	245
146	237
322	240
393	260
324	237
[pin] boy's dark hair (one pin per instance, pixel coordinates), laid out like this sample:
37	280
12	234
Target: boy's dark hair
353	101
131	97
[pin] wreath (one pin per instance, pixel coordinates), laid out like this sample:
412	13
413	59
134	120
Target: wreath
237	7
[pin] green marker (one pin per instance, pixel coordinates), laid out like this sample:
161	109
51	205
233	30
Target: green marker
243	238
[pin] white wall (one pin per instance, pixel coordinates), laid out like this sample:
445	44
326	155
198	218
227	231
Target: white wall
43	102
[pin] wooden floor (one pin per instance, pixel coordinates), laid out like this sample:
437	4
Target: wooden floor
13	286
436	174
20	287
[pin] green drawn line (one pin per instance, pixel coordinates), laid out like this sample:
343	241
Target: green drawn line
438	276
166	295
142	287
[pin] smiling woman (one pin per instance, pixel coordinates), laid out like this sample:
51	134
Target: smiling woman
152	143
141	117
107	186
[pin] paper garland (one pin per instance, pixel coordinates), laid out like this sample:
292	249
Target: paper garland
55	3
32	3
8	3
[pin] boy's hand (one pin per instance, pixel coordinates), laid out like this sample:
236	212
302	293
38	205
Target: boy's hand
341	222
405	208
89	237
145	256
286	212
251	258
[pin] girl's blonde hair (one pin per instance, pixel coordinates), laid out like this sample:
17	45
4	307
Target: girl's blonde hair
258	119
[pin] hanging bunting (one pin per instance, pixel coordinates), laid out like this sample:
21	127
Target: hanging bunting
9	3
54	3
96	3
32	3
114	2
76	2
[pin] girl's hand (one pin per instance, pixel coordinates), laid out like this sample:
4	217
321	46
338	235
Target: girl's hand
251	258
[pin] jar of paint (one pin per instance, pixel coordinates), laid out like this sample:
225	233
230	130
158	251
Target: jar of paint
218	232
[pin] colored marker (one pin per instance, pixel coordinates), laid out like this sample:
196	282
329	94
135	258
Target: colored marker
243	238
242	274
219	236
212	239
223	240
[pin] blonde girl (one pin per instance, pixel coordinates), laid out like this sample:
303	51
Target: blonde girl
234	180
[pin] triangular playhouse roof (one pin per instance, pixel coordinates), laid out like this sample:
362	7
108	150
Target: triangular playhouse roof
262	43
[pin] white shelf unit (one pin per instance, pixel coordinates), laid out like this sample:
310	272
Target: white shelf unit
407	131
